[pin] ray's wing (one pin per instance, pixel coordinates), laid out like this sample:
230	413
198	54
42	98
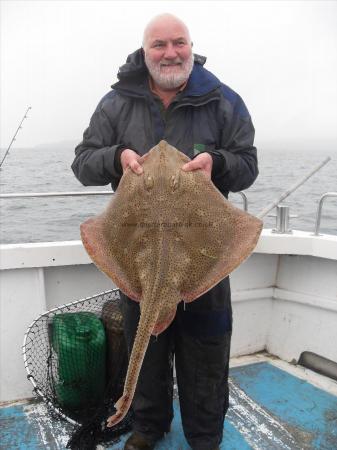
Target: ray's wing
215	237
116	240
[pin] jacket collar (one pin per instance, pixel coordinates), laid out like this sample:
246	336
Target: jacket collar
133	77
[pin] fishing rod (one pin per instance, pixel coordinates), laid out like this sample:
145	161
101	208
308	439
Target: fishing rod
293	188
13	139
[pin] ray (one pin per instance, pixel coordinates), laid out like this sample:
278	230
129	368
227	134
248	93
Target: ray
166	236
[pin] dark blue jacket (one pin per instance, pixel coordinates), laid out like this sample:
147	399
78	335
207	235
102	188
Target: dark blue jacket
206	116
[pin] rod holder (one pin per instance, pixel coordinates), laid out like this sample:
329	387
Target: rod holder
282	220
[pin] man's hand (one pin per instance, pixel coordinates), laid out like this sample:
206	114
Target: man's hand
203	161
129	158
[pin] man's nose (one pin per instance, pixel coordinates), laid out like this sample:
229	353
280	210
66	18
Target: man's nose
170	52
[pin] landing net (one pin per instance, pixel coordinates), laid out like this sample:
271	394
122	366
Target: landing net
76	358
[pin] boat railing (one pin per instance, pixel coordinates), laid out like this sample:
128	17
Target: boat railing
81	193
319	210
92	193
54	194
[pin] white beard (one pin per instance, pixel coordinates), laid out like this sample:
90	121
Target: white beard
174	77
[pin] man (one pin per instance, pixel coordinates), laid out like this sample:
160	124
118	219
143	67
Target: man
164	92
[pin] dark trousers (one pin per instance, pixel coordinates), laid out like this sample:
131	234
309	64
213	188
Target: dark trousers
200	341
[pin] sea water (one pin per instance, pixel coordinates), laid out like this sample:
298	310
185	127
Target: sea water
47	169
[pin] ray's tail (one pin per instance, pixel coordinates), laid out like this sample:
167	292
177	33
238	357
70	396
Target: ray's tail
149	314
148	318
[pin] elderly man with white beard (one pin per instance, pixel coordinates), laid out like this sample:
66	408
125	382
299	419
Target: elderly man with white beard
164	92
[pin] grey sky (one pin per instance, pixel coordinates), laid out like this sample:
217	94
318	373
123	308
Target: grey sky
61	58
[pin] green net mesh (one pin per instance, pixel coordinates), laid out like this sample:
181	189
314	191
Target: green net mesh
76	359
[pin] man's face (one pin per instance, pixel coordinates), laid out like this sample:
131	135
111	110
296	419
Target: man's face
168	54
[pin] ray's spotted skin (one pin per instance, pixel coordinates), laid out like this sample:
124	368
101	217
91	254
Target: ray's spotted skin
167	235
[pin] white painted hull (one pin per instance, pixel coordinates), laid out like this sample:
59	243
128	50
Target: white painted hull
284	297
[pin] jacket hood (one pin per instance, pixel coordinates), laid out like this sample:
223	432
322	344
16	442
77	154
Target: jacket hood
200	82
134	66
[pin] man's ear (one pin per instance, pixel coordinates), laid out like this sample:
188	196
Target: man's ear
191	44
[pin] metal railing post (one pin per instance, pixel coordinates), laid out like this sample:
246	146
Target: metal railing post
244	199
319	210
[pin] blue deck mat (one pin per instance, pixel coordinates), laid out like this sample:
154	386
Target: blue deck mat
269	409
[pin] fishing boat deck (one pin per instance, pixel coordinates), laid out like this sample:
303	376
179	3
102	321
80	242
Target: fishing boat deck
273	405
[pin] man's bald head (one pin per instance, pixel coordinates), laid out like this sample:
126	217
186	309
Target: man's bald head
162	22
